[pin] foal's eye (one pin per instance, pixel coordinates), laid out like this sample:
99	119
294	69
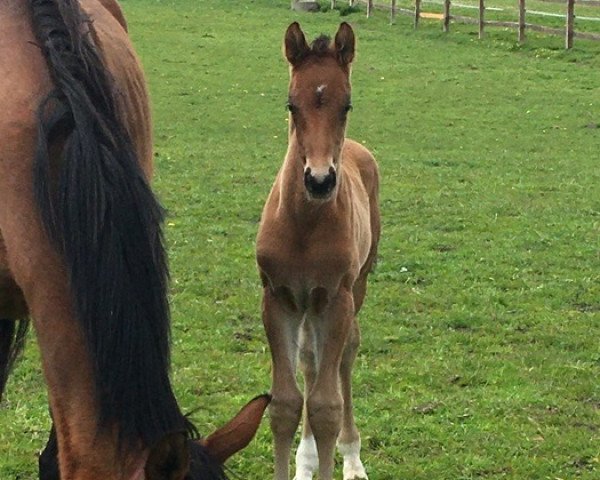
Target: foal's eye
345	109
291	107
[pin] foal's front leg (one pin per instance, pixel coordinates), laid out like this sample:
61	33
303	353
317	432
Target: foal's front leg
325	402
282	324
307	459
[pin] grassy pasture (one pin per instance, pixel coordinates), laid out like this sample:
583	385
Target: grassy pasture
480	354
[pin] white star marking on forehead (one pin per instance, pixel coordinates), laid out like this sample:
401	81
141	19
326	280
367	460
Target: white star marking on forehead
320	89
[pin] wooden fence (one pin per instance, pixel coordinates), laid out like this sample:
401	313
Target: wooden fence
521	26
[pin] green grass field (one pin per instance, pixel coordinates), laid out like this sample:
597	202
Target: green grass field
481	353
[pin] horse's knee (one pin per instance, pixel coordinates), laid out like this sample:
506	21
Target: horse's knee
285	411
325	414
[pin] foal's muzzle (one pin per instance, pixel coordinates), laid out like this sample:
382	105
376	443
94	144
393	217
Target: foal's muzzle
320	186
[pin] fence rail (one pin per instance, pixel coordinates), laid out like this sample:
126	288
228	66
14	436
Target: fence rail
522	26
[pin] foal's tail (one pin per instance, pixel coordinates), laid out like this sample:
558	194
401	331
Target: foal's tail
99	210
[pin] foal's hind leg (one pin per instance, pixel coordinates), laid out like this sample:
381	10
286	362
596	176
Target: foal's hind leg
349	439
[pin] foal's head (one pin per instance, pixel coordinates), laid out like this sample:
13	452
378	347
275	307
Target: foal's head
319	101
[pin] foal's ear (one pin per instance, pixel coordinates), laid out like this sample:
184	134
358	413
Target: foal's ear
295	46
169	459
344	44
237	434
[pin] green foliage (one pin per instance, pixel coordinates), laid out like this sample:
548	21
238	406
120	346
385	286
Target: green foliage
480	354
346	10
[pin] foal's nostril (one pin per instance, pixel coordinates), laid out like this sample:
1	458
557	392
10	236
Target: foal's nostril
332	176
322	186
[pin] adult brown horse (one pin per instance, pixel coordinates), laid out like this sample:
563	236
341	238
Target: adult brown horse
81	248
316	244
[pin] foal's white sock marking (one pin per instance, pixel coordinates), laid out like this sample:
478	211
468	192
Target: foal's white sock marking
307	459
353	467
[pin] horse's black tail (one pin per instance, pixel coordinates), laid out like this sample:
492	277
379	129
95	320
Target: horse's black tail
99	210
12	341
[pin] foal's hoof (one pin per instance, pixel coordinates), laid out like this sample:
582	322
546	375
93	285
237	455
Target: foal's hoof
304	475
355	472
362	476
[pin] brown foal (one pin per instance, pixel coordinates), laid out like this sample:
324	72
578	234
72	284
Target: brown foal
316	244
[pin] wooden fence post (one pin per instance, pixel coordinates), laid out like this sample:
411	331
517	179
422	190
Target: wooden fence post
481	18
570	24
522	11
393	12
369	7
446	15
417	12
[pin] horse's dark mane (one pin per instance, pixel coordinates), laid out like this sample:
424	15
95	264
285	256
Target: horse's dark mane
105	221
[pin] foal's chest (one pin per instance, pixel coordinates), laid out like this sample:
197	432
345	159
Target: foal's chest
306	262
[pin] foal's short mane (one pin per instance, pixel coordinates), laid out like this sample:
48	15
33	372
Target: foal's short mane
321	46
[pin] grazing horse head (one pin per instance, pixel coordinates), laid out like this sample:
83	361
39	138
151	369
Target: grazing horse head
203	459
319	101
175	457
